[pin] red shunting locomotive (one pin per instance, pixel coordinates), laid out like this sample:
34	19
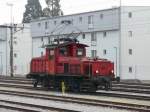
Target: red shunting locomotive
65	60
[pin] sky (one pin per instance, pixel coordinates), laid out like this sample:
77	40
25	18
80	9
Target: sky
68	7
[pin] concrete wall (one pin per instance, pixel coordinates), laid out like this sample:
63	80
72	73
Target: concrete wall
109	21
139	42
4	51
22	48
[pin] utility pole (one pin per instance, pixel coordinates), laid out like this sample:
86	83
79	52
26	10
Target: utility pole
11	41
120	36
116	53
11	53
11	45
1	64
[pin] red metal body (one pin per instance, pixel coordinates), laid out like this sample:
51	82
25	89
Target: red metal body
67	62
70	59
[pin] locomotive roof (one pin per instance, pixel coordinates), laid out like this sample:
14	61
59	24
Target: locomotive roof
52	46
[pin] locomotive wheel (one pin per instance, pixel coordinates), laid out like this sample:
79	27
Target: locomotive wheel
45	83
108	86
35	83
76	87
118	79
92	88
88	86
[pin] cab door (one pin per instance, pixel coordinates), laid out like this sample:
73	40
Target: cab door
88	69
66	68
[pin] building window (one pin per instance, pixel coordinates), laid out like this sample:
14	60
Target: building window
42	39
93	36
15	27
15	55
46	25
130	14
49	40
15	67
15	42
90	19
39	24
72	21
130	52
130	70
93	53
104	34
101	16
83	36
80	52
41	53
15	38
55	22
104	52
130	33
80	19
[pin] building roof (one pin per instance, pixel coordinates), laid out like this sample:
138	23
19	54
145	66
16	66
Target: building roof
47	18
52	46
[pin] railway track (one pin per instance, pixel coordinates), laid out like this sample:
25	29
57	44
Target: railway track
134	107
25	107
116	87
99	93
132	86
133	90
82	101
23	79
15	78
130	83
121	84
16	108
116	92
16	81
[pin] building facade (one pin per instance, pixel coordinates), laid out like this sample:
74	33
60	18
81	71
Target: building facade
134	43
22	46
117	34
4	56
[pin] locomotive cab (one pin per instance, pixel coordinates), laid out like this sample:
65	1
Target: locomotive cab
67	50
72	50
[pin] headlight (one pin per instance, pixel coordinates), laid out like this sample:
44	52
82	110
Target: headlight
112	71
97	71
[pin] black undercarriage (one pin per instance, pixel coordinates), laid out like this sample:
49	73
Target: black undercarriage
73	83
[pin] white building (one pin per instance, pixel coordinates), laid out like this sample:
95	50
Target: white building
22	48
118	34
4	56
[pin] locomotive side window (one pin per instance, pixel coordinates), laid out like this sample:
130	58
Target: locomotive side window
51	52
63	51
80	52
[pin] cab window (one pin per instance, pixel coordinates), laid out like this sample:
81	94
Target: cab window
63	51
51	52
80	52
